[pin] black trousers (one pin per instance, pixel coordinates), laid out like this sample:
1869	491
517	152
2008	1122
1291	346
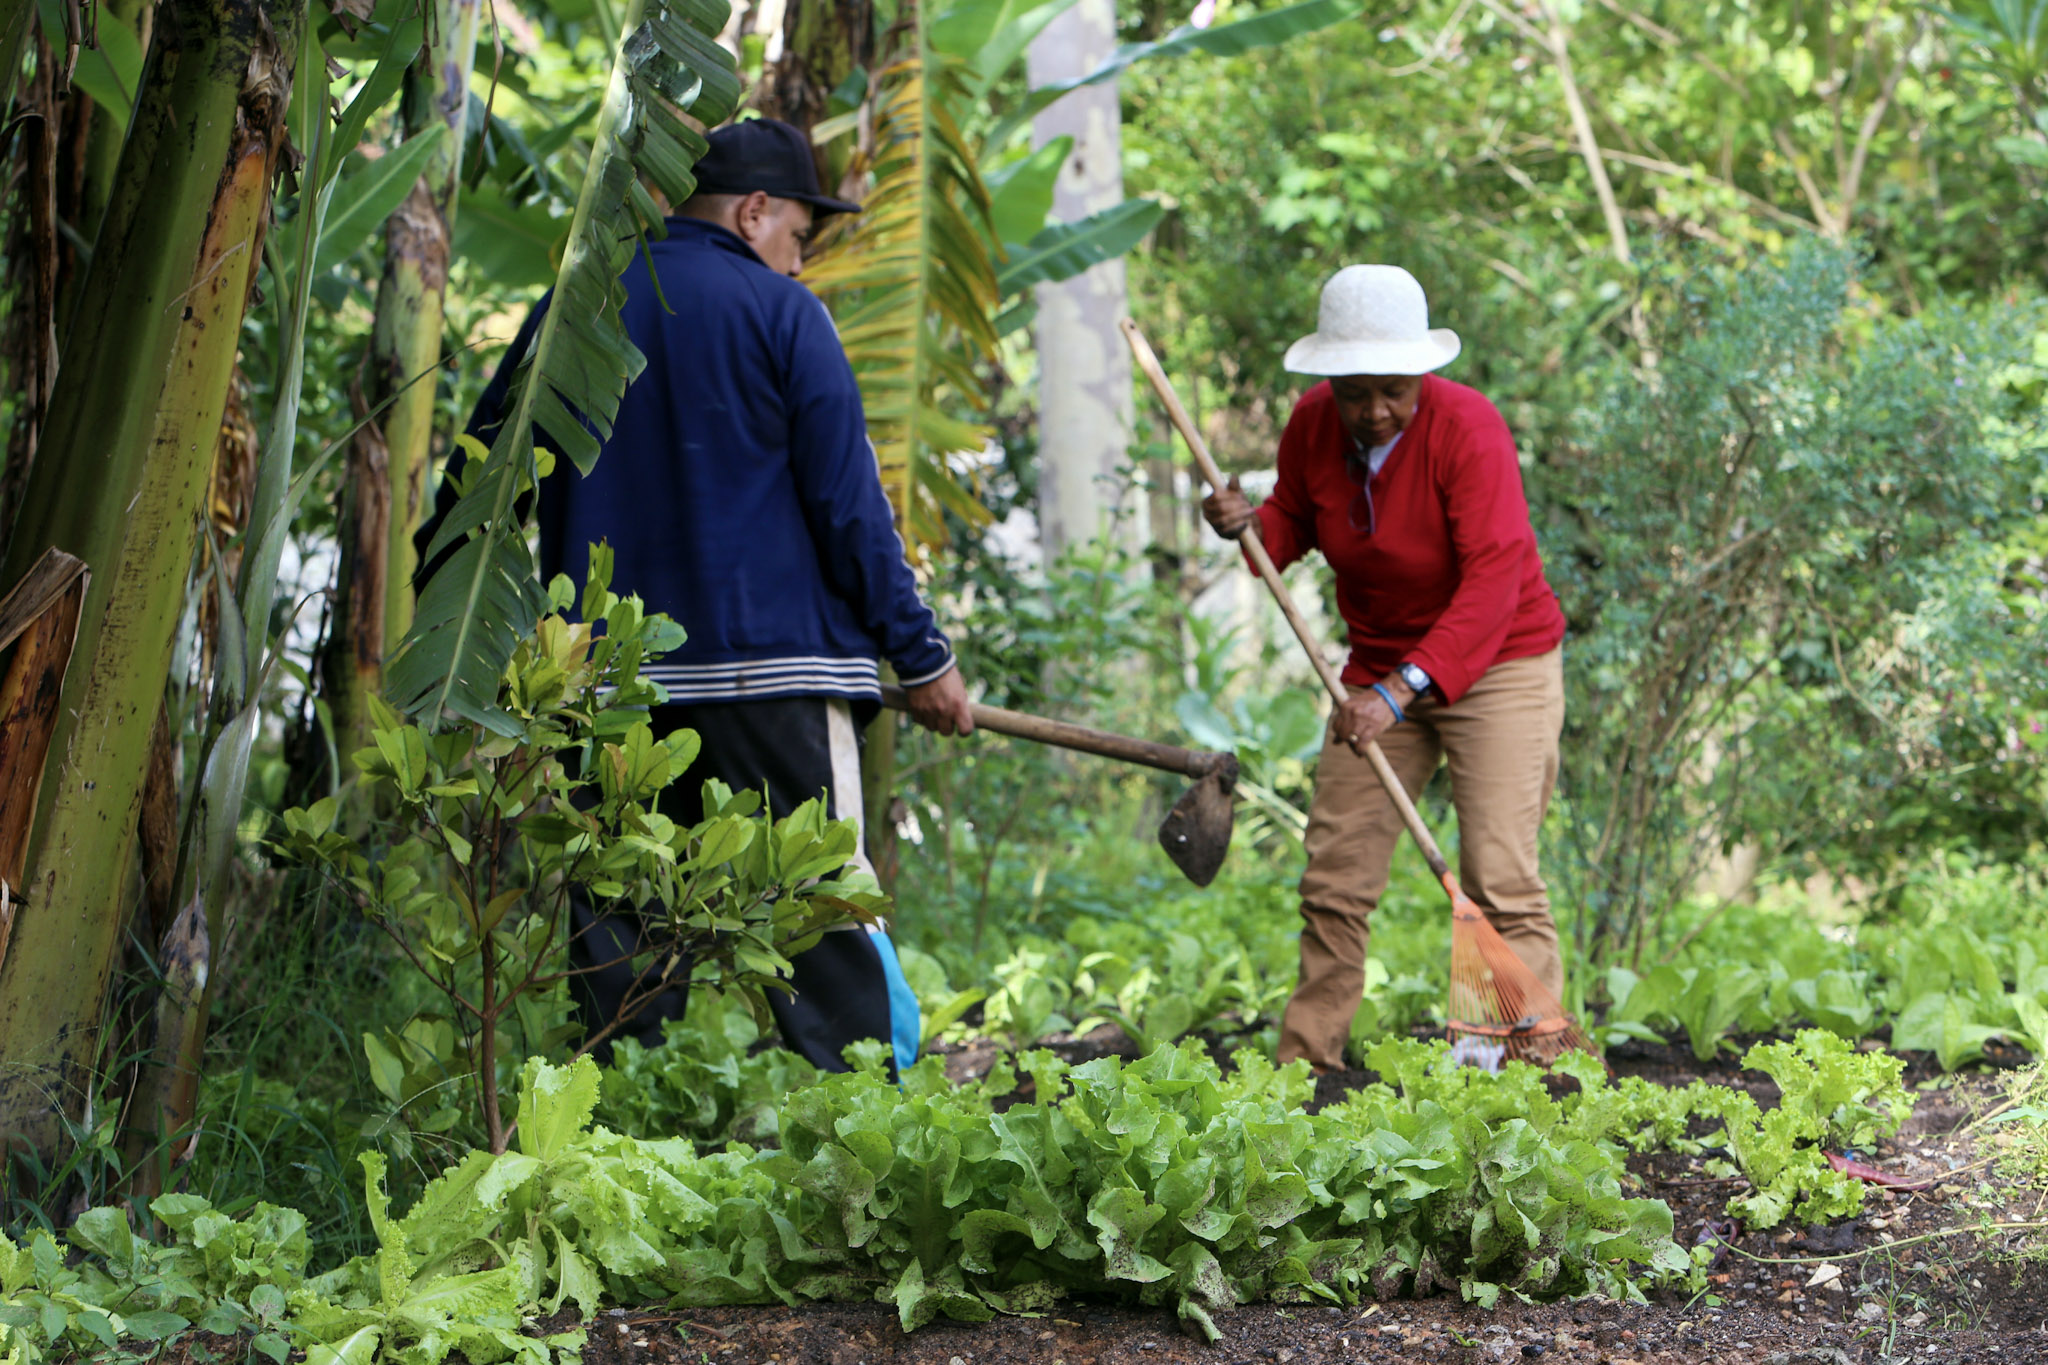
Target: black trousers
798	749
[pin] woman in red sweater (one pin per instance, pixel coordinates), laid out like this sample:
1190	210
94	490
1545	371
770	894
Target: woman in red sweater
1410	486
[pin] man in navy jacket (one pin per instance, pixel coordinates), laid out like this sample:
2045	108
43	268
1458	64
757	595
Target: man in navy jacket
740	495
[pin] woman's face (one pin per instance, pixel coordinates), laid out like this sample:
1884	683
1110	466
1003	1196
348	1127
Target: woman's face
1375	408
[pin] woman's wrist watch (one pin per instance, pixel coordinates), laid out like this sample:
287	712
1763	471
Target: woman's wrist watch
1415	678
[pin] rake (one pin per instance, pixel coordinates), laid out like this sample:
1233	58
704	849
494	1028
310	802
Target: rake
1499	1011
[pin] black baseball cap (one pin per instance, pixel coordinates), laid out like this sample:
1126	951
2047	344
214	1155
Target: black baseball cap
768	155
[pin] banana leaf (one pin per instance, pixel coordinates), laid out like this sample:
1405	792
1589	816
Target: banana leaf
473	611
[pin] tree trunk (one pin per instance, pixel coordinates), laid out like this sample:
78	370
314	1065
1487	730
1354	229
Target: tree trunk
42	636
384	493
823	42
31	341
130	439
352	666
1084	370
157	830
1162	503
109	128
42	255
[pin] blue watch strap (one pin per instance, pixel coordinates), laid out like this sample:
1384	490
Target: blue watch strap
1388	698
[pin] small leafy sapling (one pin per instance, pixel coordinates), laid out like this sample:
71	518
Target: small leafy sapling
496	829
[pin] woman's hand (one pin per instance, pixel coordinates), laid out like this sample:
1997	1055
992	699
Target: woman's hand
1363	718
1229	513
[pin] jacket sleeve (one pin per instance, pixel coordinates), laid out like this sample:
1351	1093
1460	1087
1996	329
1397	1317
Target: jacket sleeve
1287	519
849	516
1491	540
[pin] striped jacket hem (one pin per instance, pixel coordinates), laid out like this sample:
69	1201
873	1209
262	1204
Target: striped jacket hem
760	679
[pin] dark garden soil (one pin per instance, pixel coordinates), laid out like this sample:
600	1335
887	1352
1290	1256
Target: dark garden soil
1857	1293
1427	1330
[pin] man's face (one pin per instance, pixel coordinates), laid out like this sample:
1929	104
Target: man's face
1375	408
777	230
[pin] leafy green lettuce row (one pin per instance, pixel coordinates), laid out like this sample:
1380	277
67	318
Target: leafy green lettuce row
1832	1096
1161	1180
221	1274
1938	976
1165	1181
704	1081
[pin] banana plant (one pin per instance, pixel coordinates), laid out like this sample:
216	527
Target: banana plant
139	403
335	212
383	493
487	594
912	284
134	418
955	228
918	280
164	1102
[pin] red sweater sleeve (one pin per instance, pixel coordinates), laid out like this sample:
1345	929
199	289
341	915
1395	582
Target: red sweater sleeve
1491	538
1287	519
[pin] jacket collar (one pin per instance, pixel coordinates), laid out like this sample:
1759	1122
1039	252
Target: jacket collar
712	235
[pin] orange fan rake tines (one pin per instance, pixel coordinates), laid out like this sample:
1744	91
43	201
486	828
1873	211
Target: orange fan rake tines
1499	1010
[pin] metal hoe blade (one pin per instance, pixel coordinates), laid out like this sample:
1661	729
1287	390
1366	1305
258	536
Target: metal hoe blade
1196	832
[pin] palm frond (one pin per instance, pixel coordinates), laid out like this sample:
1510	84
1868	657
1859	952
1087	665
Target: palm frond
487	595
913	286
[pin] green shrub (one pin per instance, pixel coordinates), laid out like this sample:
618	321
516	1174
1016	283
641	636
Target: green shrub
1771	584
499	826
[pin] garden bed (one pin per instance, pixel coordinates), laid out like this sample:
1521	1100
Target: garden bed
1828	1295
1953	1300
1271	1219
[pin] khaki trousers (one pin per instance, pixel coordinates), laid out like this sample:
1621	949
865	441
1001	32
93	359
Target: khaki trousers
1500	742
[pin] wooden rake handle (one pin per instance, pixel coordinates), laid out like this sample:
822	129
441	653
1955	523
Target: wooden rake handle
1255	550
1066	735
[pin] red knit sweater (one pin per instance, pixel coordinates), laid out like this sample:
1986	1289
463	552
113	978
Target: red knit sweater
1450	578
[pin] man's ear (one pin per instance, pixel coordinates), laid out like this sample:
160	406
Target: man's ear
751	214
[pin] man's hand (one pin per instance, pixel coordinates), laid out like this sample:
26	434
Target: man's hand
941	704
1228	511
1365	716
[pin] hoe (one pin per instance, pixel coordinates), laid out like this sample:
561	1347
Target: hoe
1195	833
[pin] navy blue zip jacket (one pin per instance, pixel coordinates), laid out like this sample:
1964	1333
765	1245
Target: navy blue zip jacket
738	491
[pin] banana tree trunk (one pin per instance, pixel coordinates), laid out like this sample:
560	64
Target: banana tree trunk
388	461
109	126
823	42
35	258
125	458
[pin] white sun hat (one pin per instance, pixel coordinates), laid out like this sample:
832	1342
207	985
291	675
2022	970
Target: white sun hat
1374	320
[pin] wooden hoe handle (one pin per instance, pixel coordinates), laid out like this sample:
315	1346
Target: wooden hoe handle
1255	550
1065	735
